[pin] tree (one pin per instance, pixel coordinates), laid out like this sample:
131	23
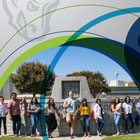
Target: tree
30	78
96	81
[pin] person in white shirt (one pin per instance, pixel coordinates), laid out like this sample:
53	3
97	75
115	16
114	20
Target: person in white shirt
128	107
116	109
98	112
138	113
3	114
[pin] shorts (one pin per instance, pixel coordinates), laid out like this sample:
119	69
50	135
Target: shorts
71	116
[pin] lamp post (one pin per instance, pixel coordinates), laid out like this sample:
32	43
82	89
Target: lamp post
116	75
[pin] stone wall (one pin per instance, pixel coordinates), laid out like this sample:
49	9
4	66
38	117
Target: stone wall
63	128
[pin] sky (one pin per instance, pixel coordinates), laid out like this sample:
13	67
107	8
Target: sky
76	59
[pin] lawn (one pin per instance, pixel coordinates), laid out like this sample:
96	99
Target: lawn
128	137
18	138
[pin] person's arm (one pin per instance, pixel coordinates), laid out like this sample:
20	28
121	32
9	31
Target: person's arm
89	112
116	109
123	108
9	110
6	111
96	112
65	105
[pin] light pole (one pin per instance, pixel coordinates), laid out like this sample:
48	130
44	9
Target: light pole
116	75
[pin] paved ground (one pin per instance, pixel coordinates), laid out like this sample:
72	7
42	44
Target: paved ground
77	138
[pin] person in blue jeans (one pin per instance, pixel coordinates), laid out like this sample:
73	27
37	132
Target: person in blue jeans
128	108
116	108
98	112
85	113
33	109
138	113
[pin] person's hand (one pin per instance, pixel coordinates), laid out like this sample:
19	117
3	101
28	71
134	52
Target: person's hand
125	117
80	118
22	100
89	118
96	118
68	104
10	117
6	114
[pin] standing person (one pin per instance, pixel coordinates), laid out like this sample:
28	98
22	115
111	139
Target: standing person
128	107
51	121
98	112
85	110
71	106
116	109
14	112
3	114
33	109
138	113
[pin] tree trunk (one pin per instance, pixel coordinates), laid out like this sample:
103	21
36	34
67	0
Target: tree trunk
34	94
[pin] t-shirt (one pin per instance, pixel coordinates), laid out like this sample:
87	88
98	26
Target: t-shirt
14	106
33	107
119	111
73	104
3	110
50	110
97	111
84	110
128	107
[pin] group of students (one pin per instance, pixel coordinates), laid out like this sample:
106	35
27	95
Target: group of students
72	107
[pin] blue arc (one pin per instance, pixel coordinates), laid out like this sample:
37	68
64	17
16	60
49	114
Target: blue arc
88	26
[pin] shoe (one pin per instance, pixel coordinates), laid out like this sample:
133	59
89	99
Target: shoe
6	135
16	135
98	134
69	124
126	132
89	135
85	134
71	136
131	131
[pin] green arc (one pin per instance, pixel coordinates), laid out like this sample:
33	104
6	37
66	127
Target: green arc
99	44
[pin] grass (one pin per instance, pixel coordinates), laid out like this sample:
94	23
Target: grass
18	138
128	137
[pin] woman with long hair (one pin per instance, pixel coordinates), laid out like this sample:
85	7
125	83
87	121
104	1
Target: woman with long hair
128	107
98	112
51	121
116	109
85	114
33	109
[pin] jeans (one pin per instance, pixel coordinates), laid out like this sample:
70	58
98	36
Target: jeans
16	124
137	120
117	118
51	122
85	123
34	119
100	124
4	124
129	118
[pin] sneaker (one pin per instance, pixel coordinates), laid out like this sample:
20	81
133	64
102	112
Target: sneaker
69	124
16	135
131	131
126	132
71	136
6	135
98	134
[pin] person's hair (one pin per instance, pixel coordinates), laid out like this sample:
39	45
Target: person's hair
2	97
49	104
138	98
13	93
98	99
84	99
115	101
126	98
35	102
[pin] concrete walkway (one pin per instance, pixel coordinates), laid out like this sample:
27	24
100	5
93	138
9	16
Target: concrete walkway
78	138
